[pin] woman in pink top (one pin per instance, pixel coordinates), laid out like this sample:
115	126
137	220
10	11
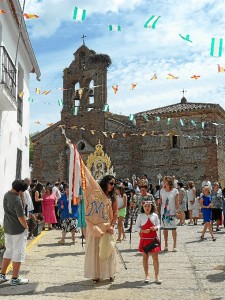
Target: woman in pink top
48	207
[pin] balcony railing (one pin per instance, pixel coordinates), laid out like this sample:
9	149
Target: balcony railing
7	71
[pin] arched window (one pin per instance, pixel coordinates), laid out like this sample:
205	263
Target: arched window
82	61
77	94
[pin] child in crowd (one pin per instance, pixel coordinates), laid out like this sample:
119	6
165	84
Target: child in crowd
205	203
122	209
147	225
195	211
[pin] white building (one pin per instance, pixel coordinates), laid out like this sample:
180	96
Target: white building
17	61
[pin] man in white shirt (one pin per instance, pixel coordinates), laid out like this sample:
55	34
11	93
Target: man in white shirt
175	181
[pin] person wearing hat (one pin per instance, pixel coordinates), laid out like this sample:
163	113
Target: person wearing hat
147	225
217	204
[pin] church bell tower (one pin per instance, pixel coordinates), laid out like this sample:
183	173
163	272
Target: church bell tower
85	82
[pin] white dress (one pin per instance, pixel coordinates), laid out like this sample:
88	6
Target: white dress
191	197
168	209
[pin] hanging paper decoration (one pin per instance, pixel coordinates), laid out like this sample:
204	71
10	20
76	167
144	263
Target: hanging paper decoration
30	100
221	69
92	131
80	92
115	88
3	12
216	47
112	135
133	86
131	117
76	111
46	92
114	28
105	133
79	14
50	124
144	133
60	102
217	141
203	125
37	91
186	38
193	122
154	77
168	121
151	23
170	76
146	117
181	122
124	134
157	119
105	108
21	94
37	122
30	16
196	77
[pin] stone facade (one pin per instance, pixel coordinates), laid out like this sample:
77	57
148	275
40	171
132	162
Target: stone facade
167	140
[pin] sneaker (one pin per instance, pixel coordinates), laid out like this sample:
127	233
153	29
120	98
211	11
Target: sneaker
158	281
217	229
214	239
146	280
202	238
174	249
3	278
19	281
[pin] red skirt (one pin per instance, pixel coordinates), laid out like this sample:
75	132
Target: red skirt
145	242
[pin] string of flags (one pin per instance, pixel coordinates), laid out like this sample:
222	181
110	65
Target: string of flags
140	133
79	14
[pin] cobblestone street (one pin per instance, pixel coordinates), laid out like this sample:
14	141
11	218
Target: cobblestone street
196	271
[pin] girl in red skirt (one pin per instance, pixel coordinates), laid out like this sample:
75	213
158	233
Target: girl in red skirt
147	225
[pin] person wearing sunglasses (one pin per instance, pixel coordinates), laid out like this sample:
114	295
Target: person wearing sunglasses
95	267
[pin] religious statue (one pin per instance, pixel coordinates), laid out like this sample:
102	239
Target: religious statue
99	163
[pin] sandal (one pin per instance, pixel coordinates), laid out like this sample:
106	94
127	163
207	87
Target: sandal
96	280
118	241
166	249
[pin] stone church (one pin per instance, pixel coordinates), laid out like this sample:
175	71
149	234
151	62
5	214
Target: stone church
183	139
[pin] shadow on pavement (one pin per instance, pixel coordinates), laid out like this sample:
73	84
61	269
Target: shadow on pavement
28	289
64	254
219	277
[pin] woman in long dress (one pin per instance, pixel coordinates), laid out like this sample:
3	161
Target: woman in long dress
169	207
94	267
48	207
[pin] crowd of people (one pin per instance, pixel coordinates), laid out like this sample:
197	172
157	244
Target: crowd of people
131	203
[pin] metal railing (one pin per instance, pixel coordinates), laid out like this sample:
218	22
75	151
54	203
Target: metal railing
7	71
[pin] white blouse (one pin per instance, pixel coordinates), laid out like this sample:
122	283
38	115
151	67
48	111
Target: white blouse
143	218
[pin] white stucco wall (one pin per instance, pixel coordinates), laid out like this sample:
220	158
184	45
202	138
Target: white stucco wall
12	135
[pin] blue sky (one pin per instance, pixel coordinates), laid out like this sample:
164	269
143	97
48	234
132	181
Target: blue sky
136	52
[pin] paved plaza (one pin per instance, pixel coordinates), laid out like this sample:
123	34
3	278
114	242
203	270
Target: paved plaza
196	271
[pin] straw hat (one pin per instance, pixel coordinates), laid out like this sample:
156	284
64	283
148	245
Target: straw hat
106	245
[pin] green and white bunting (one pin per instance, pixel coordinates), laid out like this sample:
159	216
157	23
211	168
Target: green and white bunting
168	121
157	119
131	117
79	14
76	111
181	122
106	108
60	102
216	47
151	23
114	27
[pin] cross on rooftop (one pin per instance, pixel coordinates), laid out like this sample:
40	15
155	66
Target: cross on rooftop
183	91
83	37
